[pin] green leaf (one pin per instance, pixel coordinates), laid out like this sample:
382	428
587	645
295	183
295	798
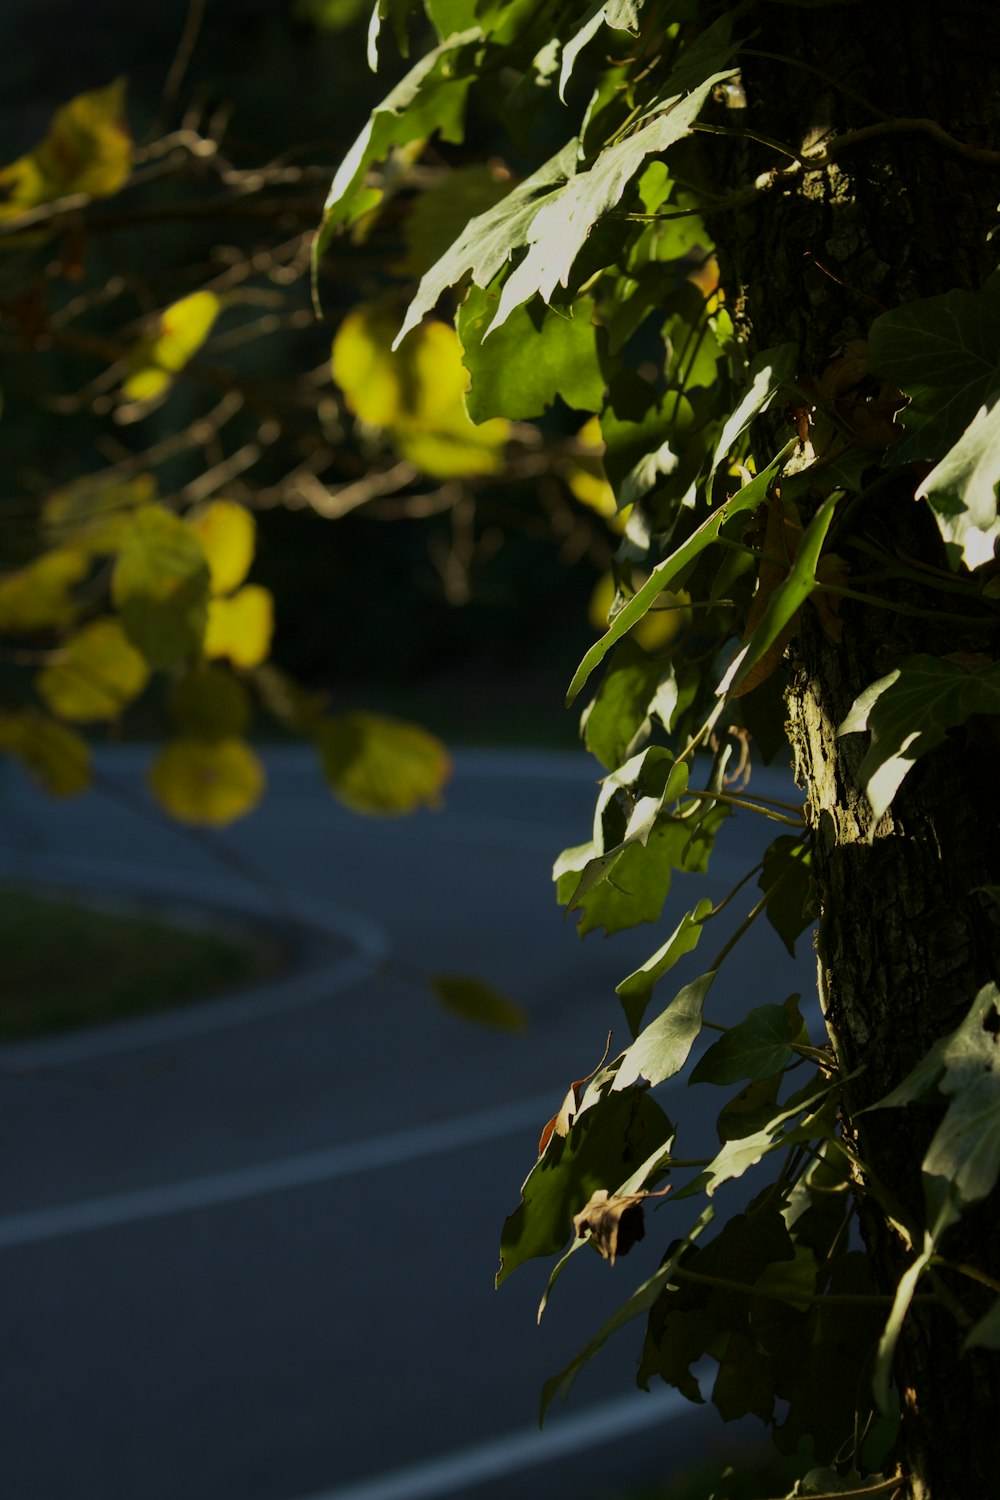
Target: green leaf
786	884
962	489
661	1050
160	586
619	15
986	1333
535	357
603	1146
768	372
647	438
945	1214
750	1110
562	225
474	1000
755	1049
663	575
382	766
440	213
97	675
489	240
965	1151
619	714
909	712
739	1154
641	1300
636	991
209	703
208	783
58	758
787	599
431	98
944	353
624	887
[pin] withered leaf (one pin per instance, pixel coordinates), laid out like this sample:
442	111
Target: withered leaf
613	1223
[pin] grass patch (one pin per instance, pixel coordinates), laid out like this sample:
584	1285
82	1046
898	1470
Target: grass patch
67	964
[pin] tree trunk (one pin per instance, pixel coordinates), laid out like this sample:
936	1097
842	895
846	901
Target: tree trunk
906	939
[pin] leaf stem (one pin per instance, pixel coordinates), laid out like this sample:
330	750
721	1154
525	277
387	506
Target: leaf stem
743	802
903	609
964	1269
881	1488
745	925
726	1284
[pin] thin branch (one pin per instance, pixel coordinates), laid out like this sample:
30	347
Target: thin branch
182	57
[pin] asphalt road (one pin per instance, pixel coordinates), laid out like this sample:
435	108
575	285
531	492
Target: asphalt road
247	1253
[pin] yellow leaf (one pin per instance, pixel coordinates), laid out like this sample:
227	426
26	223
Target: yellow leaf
55	756
38	596
227	532
98	674
93	514
417	394
382	766
160	587
182	329
88	149
209	703
658	626
474	1000
207	782
241	626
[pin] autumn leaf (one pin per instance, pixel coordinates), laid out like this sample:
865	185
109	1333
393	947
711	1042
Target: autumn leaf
613	1223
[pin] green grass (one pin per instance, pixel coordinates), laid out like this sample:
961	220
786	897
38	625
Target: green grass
68	965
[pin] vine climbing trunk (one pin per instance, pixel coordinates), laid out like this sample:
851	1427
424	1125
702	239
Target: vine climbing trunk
907	937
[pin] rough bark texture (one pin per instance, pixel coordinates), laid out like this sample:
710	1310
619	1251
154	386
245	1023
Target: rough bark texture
905	939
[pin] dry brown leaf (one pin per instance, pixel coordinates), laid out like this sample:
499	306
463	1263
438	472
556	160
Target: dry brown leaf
613	1224
566	1113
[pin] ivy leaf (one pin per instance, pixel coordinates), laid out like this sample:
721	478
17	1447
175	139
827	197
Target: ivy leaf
619	712
962	489
536	356
750	1110
942	352
663	575
647	437
785	603
986	1333
768	372
431	98
602	1146
474	1000
619	15
909	712
562	225
739	1154
641	1300
440	213
160	586
754	1050
636	991
965	1151
661	1050
489	240
785	882
944	1213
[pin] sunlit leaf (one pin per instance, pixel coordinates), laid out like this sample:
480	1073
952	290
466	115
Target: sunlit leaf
662	622
474	1000
88	149
97	675
93	514
962	489
39	596
441	212
207	782
241	626
57	757
536	356
182	329
661	1050
380	765
227	534
909	713
767	374
160	586
636	991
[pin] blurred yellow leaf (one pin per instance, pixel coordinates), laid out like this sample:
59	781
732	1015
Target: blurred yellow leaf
417	394
380	765
241	626
98	674
88	149
657	628
209	703
474	1000
227	532
208	782
160	586
56	757
93	514
182	329
38	597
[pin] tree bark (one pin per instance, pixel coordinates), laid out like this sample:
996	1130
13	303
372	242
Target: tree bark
906	939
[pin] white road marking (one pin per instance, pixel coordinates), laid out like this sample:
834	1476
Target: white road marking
303	1170
503	1456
